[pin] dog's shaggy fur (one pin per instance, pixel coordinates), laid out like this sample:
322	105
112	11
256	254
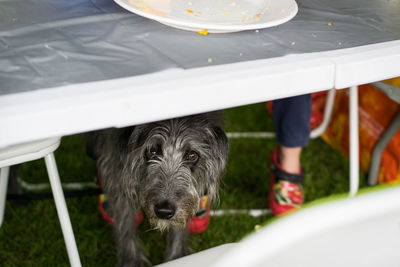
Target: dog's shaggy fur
162	168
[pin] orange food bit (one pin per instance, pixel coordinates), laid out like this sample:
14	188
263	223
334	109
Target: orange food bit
190	11
258	15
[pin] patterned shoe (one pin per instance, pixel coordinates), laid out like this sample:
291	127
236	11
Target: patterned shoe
199	222
286	192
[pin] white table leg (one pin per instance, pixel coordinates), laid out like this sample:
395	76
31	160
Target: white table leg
354	142
4	172
330	101
62	211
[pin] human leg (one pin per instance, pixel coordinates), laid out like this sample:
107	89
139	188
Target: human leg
292	126
289	158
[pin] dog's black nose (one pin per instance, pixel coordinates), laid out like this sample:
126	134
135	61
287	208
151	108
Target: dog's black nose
164	210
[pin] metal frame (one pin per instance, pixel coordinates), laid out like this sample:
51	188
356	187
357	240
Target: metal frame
354	140
393	92
353	133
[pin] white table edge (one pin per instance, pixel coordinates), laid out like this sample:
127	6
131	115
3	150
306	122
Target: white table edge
171	93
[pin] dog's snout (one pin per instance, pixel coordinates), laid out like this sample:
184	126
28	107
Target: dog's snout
164	210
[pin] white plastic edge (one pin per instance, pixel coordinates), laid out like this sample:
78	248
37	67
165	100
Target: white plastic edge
77	108
259	246
361	65
172	93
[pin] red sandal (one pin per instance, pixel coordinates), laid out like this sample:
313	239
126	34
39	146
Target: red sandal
286	192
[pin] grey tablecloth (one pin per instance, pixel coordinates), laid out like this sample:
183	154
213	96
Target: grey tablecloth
48	43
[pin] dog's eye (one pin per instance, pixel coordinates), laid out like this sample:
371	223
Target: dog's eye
153	152
192	156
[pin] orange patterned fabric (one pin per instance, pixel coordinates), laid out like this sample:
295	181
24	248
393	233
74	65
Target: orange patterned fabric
376	112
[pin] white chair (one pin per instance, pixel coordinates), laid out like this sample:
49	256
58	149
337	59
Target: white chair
31	151
359	231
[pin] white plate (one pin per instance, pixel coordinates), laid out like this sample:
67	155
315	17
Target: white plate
215	16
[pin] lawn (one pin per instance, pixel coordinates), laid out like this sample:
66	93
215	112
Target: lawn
31	234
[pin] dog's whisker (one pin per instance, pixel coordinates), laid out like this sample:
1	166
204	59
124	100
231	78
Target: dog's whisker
151	229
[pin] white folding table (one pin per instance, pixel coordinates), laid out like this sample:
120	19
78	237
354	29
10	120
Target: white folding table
68	67
75	66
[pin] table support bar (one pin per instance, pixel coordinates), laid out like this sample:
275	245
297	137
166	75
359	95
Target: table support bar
354	142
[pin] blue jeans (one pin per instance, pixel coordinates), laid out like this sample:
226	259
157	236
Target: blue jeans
292	120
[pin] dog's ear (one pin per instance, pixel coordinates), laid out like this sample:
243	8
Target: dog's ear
133	165
139	136
90	145
216	162
222	142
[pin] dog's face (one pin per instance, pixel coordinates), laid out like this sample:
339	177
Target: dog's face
174	163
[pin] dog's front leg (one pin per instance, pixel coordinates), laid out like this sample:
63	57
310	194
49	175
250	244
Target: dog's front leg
130	253
177	243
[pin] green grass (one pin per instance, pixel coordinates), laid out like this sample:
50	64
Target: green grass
31	235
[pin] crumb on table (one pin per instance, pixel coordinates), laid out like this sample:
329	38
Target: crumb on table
203	32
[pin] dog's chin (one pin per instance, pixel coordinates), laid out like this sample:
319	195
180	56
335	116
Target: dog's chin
163	225
180	219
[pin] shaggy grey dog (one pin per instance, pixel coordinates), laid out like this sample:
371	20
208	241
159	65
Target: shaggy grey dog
162	168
